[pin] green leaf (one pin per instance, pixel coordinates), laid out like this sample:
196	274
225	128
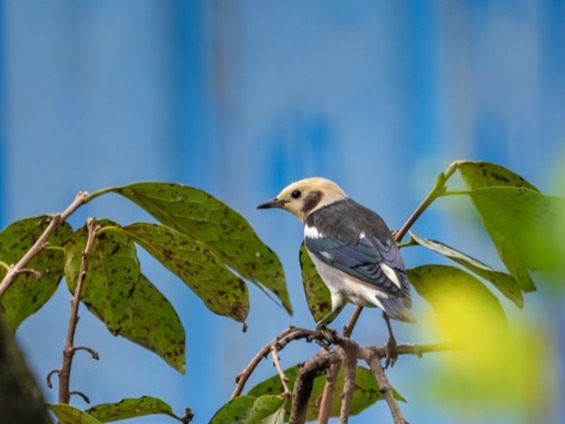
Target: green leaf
67	414
200	215
366	391
129	408
195	264
113	271
251	410
317	294
480	175
524	218
152	322
505	283
28	294
235	411
460	300
485	174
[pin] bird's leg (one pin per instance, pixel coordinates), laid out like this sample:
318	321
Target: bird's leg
390	346
329	334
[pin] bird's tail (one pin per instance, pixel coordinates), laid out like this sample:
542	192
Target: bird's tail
398	308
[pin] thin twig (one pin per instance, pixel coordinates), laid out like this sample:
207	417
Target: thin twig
349	366
374	363
282	376
40	243
327	395
49	376
412	349
35	274
244	375
92	352
69	351
438	189
80	394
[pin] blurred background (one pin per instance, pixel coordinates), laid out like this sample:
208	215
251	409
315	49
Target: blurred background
242	97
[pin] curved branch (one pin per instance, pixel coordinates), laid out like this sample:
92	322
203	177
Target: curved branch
279	343
40	243
304	383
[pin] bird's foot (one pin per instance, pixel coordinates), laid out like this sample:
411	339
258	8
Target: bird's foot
329	334
390	352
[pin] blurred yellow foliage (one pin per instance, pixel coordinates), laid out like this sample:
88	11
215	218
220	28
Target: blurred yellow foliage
494	365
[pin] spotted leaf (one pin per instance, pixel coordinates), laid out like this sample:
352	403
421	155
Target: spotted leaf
195	213
505	283
31	291
196	265
113	271
130	408
67	414
251	410
152	322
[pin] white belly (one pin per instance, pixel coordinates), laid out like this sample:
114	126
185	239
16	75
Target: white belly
346	288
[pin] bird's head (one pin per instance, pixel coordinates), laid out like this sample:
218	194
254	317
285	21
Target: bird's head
305	196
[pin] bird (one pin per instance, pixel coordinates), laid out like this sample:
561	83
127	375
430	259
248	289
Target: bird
352	249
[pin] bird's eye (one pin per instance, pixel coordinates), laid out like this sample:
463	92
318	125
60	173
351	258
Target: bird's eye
295	194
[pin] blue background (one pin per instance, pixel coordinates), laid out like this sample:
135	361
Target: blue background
242	97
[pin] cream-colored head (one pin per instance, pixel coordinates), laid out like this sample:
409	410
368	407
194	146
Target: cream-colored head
305	196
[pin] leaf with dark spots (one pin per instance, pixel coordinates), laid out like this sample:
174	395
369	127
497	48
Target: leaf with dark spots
485	174
505	283
365	394
130	408
517	217
251	410
198	214
196	265
28	293
113	270
152	322
67	414
317	294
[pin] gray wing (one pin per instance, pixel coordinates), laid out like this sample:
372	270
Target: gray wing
363	259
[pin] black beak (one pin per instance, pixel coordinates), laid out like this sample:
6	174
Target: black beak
275	203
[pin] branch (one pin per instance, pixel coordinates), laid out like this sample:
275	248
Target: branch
349	365
304	383
69	351
412	349
277	364
374	363
326	360
327	394
287	336
40	243
244	375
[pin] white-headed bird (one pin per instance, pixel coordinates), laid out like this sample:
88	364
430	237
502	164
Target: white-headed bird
351	247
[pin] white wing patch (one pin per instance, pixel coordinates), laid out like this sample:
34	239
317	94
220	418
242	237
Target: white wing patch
312	232
362	235
391	274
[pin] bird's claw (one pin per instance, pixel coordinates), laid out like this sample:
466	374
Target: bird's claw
328	333
390	352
